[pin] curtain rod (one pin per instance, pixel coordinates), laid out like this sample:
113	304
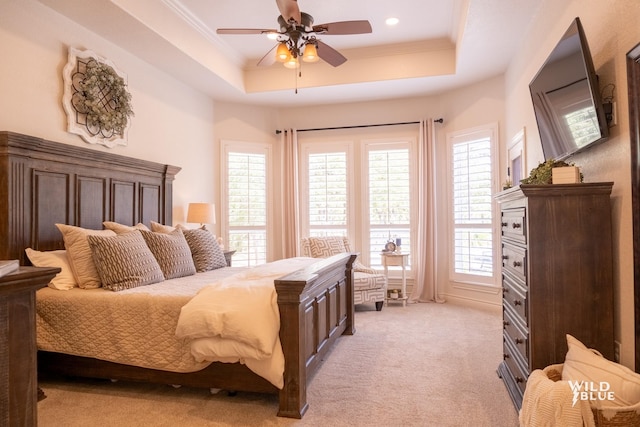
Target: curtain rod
440	120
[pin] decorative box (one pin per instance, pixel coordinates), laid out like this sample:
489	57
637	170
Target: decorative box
565	175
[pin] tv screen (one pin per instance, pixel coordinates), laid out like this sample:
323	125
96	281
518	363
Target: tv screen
566	98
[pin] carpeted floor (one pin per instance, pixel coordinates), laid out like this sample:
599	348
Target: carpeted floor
420	365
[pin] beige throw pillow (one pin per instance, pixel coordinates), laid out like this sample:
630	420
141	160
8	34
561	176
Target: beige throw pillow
582	364
79	254
121	228
64	280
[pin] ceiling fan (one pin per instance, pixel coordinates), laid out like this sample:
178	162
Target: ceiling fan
297	37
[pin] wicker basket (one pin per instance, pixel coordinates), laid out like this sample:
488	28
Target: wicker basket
610	416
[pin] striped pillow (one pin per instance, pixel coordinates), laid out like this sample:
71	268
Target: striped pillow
205	250
172	253
124	261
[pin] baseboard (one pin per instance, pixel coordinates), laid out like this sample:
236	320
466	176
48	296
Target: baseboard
472	302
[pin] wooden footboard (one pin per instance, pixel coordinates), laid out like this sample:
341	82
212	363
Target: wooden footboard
316	307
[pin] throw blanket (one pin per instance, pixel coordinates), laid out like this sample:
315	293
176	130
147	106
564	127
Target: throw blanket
237	320
550	403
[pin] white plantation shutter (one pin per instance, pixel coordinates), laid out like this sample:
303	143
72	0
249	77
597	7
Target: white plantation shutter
389	199
247	207
472	204
327	194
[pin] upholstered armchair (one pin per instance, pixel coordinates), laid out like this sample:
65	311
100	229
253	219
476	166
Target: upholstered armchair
368	285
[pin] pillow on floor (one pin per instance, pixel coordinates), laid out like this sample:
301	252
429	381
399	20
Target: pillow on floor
172	252
124	261
64	280
583	364
79	254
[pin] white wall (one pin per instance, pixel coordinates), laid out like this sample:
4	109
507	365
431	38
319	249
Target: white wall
173	123
612	30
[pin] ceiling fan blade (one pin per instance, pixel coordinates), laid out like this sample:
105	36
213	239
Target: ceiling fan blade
330	55
269	58
343	27
289	10
245	31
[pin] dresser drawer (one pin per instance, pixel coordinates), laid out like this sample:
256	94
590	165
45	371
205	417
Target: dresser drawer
514	259
514	225
515	295
516	333
519	372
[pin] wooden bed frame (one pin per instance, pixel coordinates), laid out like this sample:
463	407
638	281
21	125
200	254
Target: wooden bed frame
43	183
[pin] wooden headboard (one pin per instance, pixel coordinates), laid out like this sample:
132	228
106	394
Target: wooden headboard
43	183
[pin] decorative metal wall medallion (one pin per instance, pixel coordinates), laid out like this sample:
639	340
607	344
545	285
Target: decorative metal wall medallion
96	99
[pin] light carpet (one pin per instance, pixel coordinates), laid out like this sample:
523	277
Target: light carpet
420	365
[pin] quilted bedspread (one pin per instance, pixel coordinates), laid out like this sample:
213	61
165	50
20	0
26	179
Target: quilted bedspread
138	326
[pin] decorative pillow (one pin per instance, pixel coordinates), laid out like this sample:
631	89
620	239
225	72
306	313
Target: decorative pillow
62	281
124	261
583	364
79	254
205	250
161	228
324	247
172	253
121	228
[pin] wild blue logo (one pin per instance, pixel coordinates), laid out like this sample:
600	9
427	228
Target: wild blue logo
591	391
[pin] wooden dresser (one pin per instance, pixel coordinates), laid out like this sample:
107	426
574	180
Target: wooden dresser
556	275
18	382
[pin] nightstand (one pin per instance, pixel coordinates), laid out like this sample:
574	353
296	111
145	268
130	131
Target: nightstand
227	256
395	259
18	350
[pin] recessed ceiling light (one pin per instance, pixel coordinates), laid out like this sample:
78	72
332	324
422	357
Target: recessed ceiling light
392	21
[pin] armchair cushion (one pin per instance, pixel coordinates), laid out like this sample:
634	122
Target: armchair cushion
324	247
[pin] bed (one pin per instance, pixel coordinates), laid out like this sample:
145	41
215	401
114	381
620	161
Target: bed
43	183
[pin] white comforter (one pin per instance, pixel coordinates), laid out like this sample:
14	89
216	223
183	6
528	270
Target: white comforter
237	319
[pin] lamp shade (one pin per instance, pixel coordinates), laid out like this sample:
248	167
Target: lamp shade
203	213
310	53
282	53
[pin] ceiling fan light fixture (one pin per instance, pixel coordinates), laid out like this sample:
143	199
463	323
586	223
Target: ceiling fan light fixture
292	63
282	53
310	53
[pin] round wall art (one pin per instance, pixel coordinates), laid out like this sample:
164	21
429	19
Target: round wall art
96	99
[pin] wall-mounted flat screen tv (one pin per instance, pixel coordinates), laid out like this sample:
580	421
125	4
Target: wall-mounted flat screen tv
566	98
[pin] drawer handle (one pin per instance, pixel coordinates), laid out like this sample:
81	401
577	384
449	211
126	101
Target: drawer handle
517	302
517	263
505	256
504	224
505	356
505	290
516	225
519	379
505	323
519	340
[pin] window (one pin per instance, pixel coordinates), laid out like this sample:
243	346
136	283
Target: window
246	209
471	156
380	210
327	187
389	207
